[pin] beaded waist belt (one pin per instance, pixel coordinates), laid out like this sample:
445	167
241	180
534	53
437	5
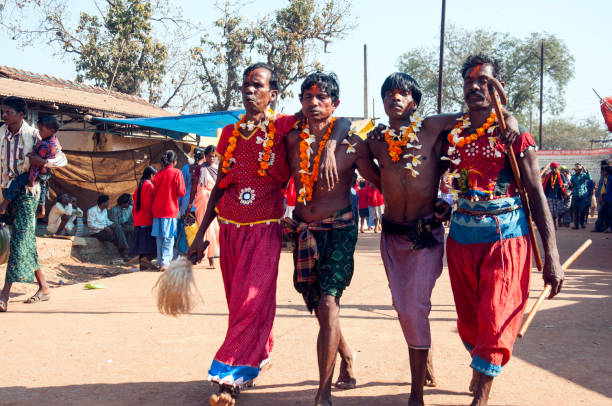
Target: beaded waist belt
494	212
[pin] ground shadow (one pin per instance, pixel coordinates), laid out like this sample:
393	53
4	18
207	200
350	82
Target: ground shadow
193	393
573	341
80	273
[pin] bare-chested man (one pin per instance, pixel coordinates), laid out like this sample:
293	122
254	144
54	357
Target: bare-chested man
412	242
323	224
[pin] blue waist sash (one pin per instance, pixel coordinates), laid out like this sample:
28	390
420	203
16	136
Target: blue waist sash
488	220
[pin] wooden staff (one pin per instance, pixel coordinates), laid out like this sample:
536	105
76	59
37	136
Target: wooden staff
547	288
495	91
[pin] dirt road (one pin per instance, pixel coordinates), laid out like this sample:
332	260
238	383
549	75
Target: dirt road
111	347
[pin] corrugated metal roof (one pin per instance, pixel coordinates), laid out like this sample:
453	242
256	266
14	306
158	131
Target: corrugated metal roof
44	88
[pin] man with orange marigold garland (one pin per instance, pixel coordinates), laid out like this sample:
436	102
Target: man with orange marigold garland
410	153
248	201
412	240
488	247
323	224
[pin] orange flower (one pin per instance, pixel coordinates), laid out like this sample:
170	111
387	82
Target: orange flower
267	149
395	145
307	180
480	132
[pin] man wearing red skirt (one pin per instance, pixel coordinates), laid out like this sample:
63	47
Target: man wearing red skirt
488	247
248	202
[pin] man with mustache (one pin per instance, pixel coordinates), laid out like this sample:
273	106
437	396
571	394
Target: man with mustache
488	247
248	201
323	224
412	161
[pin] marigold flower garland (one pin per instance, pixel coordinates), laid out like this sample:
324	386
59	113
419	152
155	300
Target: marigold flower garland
456	141
307	177
268	127
397	141
454	138
407	135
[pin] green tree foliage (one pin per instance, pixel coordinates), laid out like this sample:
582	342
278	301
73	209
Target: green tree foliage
287	39
290	37
520	58
562	133
221	61
116	50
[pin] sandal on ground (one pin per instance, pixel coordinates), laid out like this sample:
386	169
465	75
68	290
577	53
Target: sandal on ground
3	306
38	297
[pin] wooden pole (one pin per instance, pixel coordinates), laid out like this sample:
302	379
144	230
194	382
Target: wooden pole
373	111
547	288
541	88
441	66
365	81
517	179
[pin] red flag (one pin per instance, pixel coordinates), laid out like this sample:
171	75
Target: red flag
606	110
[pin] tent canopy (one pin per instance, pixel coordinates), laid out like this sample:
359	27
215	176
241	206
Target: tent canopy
177	127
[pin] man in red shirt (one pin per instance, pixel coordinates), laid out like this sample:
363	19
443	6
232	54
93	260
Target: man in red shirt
169	186
376	205
248	201
364	199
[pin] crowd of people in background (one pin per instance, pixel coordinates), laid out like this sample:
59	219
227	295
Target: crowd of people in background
150	223
572	197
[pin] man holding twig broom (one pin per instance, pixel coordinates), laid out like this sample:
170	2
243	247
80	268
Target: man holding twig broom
248	201
489	246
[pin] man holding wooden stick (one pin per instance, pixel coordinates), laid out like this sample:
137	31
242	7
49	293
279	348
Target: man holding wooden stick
489	246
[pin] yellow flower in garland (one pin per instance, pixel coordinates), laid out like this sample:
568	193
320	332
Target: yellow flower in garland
309	178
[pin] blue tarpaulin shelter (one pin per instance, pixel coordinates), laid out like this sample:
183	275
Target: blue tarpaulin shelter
177	127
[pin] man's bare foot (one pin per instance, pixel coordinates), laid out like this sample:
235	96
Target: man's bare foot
483	389
323	403
4	303
346	379
430	378
222	399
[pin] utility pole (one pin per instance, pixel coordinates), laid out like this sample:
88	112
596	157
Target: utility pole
373	112
541	86
441	67
365	81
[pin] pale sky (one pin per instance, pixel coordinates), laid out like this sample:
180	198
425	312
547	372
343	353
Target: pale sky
391	27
